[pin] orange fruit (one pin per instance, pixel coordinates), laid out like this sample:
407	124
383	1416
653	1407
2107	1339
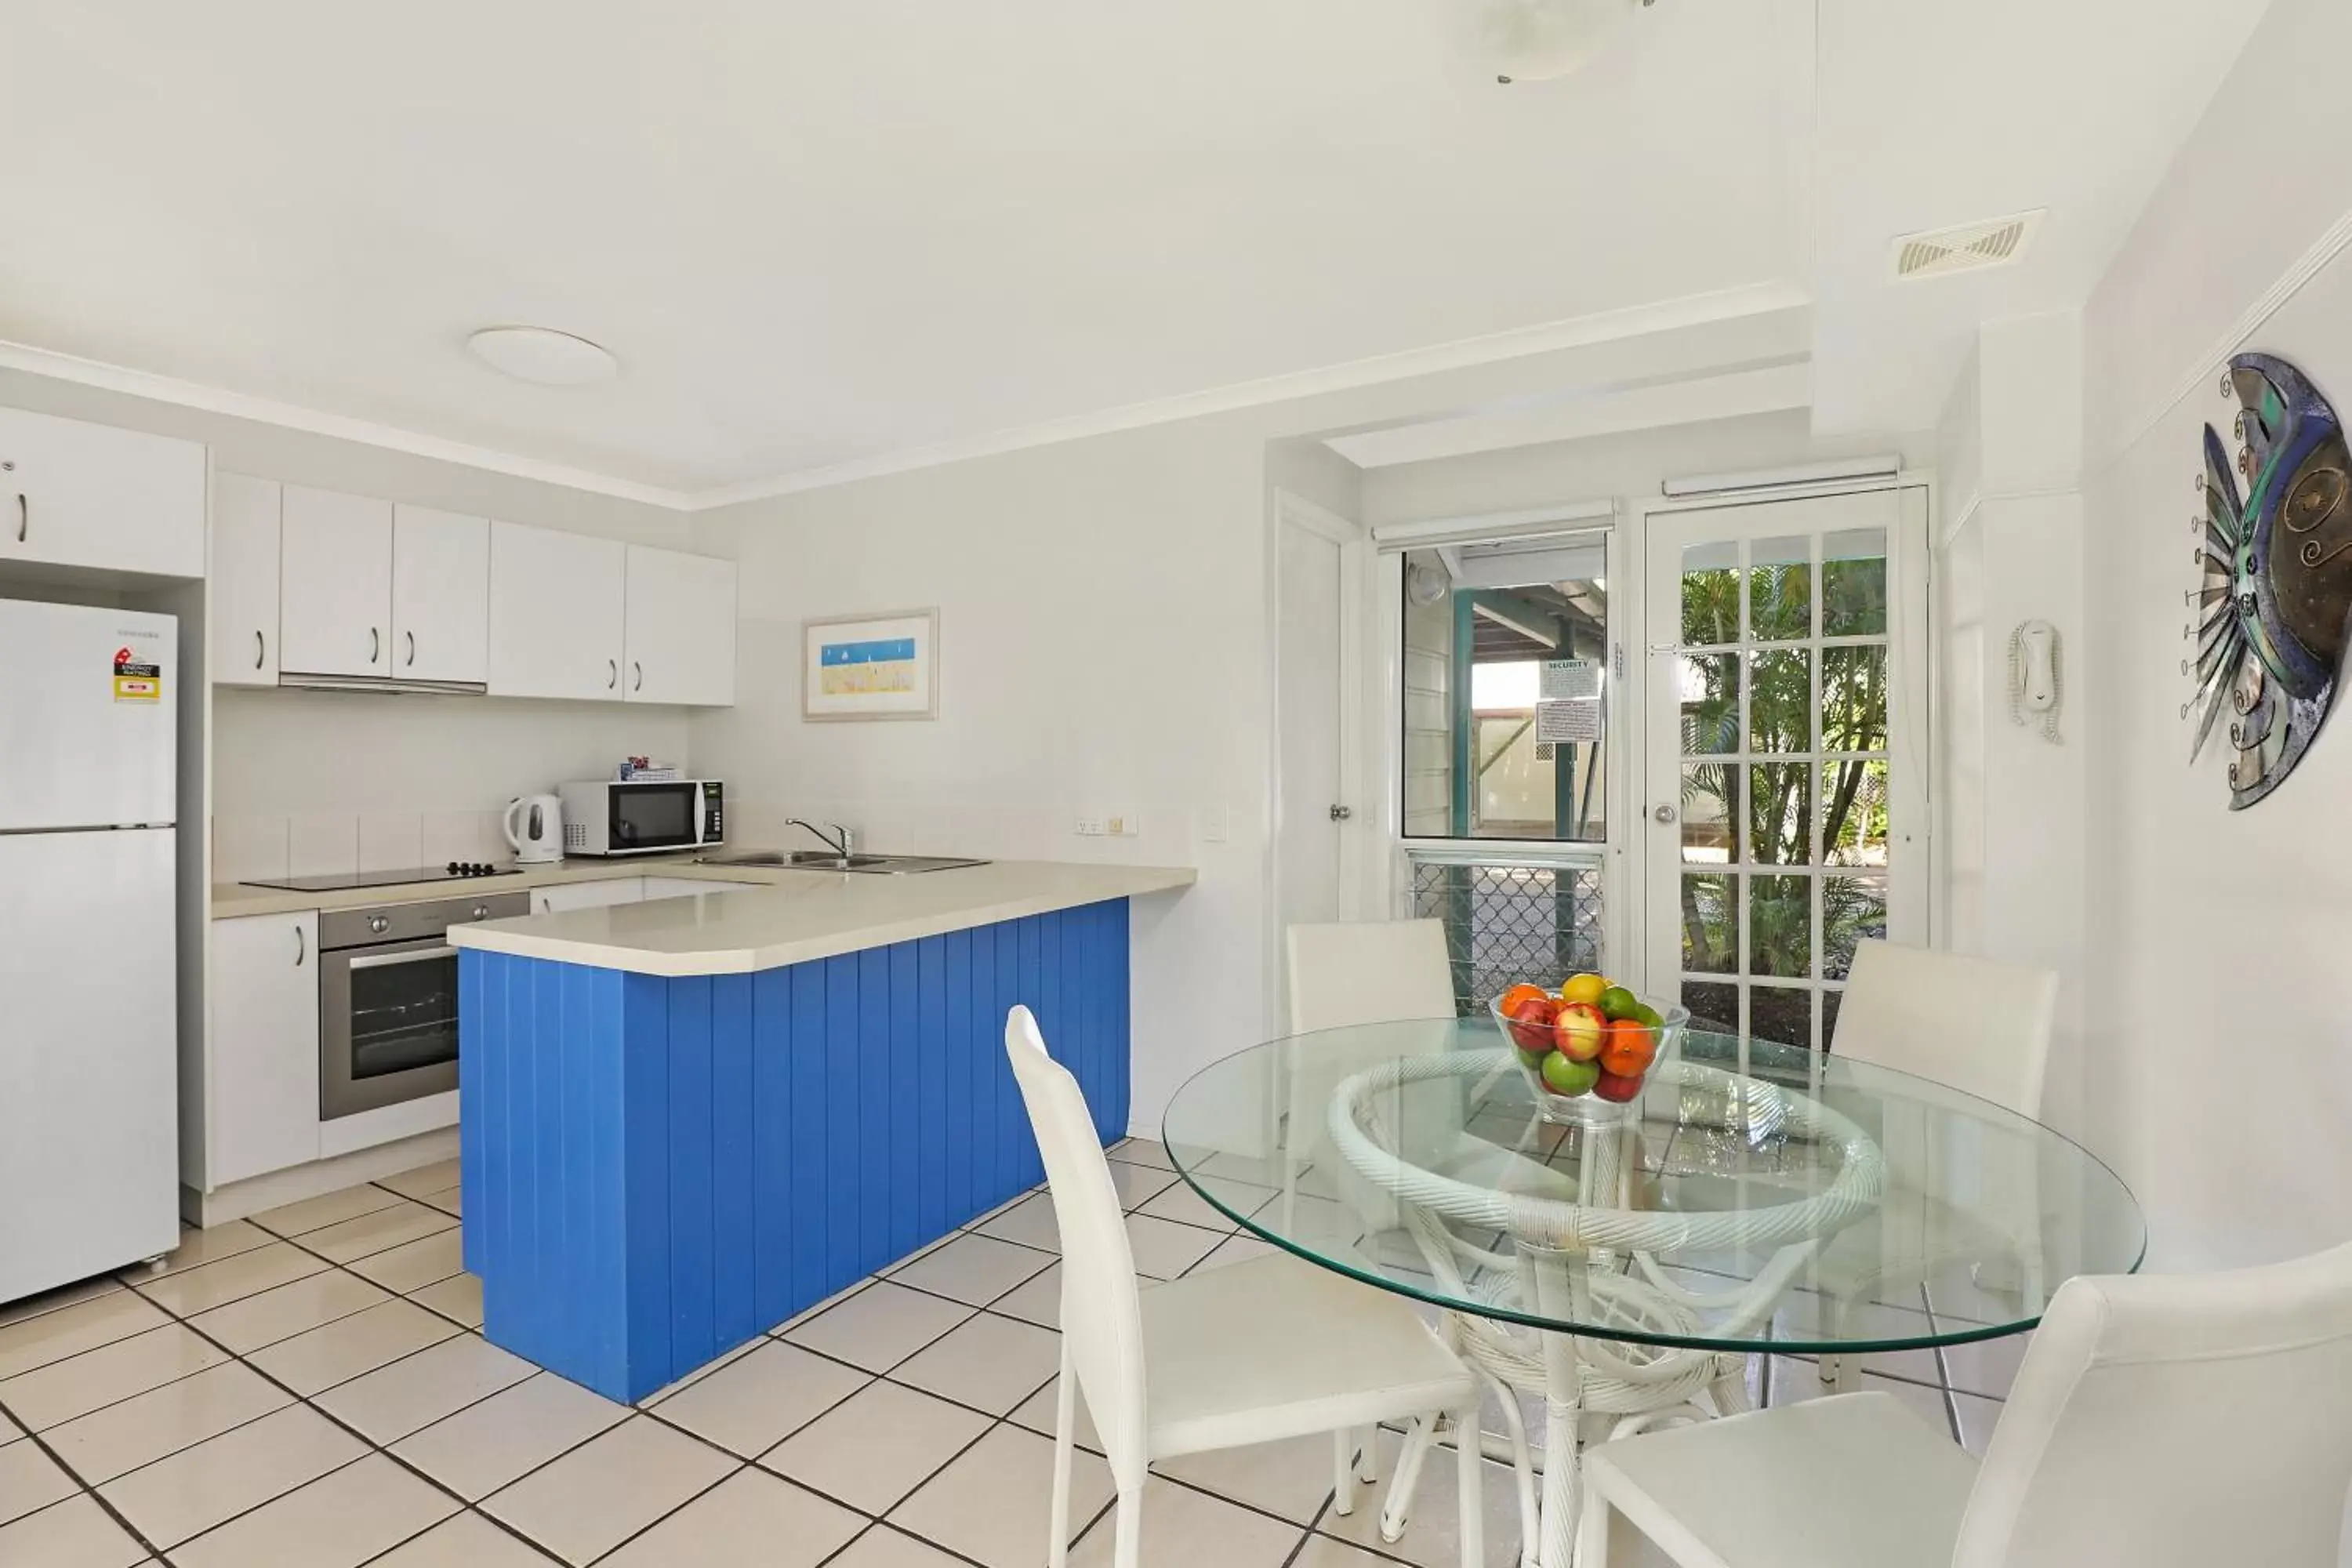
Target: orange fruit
1509	1006
1627	1048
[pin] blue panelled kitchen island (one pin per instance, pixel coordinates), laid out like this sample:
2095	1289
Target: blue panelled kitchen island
683	1122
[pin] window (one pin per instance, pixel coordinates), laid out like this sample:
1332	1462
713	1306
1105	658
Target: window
1505	722
1506	691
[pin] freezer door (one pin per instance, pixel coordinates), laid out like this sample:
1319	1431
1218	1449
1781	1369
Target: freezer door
88	1056
85	718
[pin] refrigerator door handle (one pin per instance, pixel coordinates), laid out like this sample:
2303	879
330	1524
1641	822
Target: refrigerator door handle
24	516
260	648
301	948
376	643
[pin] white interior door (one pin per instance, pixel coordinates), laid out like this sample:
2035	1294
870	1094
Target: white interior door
1308	715
1787	753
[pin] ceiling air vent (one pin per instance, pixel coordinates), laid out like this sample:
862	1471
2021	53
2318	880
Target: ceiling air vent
1966	248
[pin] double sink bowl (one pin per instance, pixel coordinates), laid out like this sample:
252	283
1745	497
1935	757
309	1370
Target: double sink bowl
826	860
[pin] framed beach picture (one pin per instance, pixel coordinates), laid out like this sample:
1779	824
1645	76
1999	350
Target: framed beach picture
871	666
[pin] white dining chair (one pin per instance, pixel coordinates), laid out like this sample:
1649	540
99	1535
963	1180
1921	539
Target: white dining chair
1976	1024
1355	972
1351	973
2174	1421
1251	1353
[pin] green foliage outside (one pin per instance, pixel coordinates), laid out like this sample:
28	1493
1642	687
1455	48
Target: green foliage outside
1781	819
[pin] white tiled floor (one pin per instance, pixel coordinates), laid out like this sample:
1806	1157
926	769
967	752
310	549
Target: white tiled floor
310	1388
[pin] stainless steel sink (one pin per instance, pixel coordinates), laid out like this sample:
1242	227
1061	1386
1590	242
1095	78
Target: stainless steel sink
826	860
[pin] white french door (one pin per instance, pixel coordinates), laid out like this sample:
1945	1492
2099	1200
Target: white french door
1786	751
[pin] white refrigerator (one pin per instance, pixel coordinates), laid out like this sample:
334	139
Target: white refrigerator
89	981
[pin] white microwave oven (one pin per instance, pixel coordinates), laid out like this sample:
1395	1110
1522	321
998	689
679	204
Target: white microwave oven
625	816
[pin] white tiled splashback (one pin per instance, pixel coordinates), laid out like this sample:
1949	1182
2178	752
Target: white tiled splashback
323	843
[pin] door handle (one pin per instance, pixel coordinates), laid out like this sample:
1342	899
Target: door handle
301	948
24	516
640	682
612	673
260	648
412	648
376	643
1342	813
1663	813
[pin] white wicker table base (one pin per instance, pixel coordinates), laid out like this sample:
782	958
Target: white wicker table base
1592	1263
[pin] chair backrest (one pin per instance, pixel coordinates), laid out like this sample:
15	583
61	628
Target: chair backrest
1975	1024
2175	1419
1367	972
1102	1324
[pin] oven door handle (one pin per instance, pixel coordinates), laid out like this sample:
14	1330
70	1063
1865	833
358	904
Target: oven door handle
386	959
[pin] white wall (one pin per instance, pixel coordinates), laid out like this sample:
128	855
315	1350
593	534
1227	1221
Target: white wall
1102	646
311	782
2010	803
2221	1038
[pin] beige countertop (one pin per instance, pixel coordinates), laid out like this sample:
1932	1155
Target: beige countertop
796	915
231	900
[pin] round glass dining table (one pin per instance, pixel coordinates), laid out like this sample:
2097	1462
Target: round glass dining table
1625	1261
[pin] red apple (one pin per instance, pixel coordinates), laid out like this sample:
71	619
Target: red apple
1577	1032
1613	1087
1531	1022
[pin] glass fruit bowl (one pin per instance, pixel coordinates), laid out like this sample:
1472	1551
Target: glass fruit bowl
1582	1065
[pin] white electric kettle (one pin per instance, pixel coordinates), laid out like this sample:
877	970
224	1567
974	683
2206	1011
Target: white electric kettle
535	829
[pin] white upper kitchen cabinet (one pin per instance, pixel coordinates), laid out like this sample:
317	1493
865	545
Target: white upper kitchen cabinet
681	639
334	610
73	494
244	612
261	1063
440	595
556	614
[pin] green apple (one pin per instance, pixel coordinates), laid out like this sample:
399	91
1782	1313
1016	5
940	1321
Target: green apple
1567	1076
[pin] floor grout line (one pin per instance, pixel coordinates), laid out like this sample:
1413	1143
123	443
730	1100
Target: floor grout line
735	1464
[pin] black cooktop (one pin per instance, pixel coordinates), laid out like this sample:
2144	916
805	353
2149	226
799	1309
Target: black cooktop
340	881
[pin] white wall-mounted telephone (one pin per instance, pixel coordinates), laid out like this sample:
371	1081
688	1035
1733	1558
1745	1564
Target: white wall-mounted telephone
2036	684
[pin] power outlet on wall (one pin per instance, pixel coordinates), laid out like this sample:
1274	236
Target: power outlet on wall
1088	826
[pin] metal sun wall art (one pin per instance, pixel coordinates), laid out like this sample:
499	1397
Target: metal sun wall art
2275	589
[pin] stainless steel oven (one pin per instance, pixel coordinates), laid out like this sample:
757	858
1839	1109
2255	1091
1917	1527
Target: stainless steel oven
388	1000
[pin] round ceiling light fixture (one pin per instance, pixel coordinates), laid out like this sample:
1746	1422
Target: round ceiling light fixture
1540	40
543	355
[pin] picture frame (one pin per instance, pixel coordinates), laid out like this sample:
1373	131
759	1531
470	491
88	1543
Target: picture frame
867	667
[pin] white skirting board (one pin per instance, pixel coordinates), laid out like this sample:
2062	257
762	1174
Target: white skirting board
239	1199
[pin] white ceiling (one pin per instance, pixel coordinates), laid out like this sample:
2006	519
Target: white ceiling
817	236
1934	112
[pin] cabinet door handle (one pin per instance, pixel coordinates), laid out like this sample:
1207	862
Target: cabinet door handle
24	516
612	673
376	643
260	648
301	948
412	648
640	683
